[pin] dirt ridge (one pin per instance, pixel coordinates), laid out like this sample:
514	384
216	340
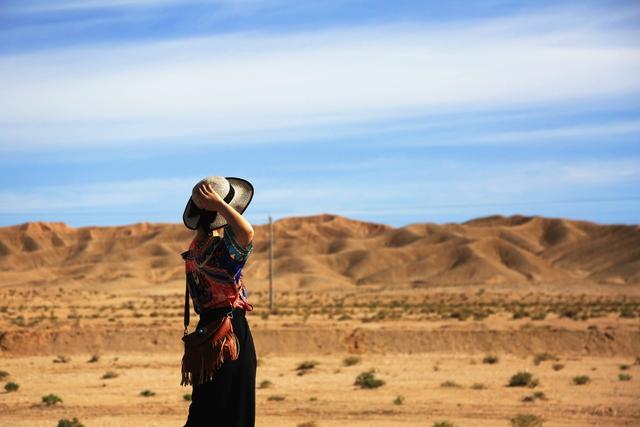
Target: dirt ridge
326	340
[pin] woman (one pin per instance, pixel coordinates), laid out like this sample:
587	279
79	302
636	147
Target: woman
214	280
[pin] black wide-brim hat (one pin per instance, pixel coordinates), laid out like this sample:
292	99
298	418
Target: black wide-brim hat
237	192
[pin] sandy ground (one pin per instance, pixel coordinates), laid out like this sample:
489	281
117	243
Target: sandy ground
326	394
411	347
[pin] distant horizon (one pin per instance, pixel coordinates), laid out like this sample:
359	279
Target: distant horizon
329	214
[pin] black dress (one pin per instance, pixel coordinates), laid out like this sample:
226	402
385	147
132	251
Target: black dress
229	400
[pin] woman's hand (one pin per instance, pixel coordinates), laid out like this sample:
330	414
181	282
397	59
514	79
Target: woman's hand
209	199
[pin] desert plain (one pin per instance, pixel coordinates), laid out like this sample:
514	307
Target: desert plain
498	321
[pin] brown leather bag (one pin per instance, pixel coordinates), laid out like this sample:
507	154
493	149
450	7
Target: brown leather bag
206	349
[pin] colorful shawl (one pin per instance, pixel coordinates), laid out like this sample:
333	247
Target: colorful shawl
213	268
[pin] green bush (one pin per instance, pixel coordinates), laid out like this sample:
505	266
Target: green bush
110	375
3	375
276	398
540	315
62	359
541	357
351	360
368	380
627	312
581	379
571	313
540	395
265	384
520	314
460	314
557	366
399	400
449	383
624	377
490	359
526	420
11	386
69	423
147	393
521	379
51	399
187	397
306	365
479	315
537	395
443	424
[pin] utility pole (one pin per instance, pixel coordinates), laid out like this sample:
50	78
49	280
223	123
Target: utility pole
270	265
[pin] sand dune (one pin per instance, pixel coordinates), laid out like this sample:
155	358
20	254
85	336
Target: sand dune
336	251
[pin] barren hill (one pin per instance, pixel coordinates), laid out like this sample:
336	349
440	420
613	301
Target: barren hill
334	251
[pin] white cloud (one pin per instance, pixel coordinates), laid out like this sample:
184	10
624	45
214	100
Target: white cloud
130	195
548	179
393	190
582	132
215	86
46	6
567	132
602	173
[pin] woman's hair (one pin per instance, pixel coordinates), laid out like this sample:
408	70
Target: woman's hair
206	218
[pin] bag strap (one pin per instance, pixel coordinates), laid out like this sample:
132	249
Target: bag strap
186	255
186	308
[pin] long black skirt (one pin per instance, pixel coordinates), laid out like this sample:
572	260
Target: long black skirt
229	400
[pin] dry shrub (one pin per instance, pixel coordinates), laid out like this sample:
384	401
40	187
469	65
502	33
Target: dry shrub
490	359
581	380
541	357
624	377
70	423
351	360
526	420
51	399
276	398
368	380
523	379
449	383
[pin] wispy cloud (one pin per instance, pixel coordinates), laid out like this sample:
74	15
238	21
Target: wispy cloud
30	6
132	195
567	132
542	135
215	86
402	188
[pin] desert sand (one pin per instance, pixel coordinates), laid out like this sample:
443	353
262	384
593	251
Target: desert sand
423	306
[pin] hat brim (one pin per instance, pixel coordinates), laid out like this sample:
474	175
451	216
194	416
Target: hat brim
243	195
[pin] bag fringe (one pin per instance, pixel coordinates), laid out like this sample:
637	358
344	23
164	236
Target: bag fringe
200	362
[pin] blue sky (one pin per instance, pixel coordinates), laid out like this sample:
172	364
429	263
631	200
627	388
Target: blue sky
392	112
